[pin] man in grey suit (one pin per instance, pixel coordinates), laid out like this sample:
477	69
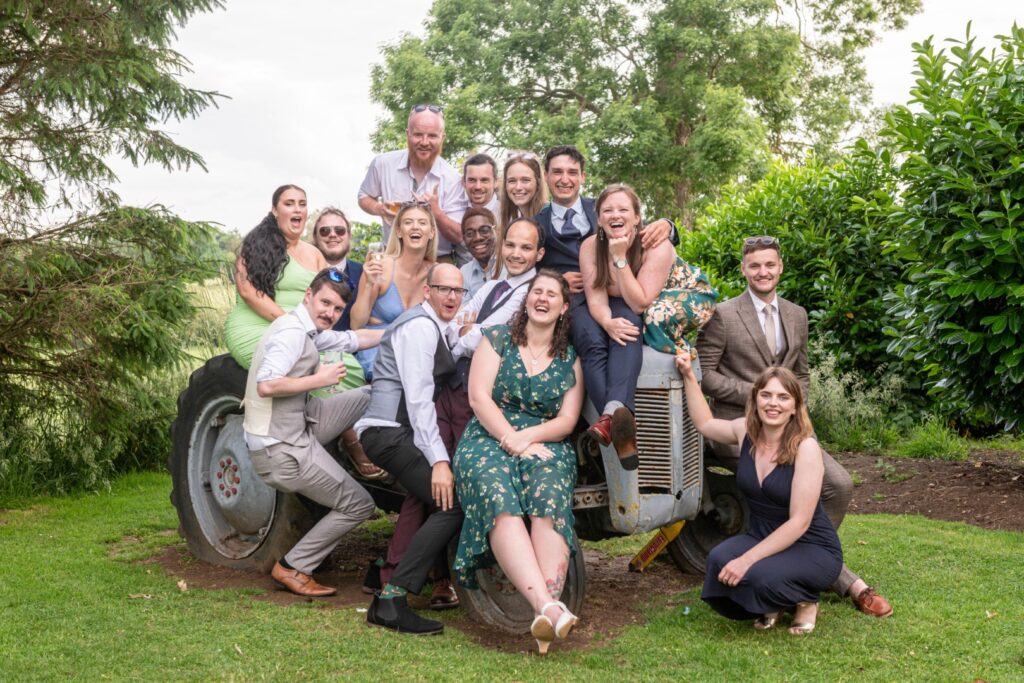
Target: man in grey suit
747	334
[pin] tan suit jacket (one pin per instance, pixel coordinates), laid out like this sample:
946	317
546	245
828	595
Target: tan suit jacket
733	352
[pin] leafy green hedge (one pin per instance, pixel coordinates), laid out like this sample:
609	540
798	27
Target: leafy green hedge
831	222
960	315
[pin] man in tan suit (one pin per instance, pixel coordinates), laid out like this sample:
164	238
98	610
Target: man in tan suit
747	334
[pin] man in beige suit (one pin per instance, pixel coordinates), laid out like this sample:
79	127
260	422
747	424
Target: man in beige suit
747	334
285	427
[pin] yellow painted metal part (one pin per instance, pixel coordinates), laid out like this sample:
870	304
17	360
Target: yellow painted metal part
654	547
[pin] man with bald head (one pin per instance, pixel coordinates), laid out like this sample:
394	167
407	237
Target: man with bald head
400	434
418	173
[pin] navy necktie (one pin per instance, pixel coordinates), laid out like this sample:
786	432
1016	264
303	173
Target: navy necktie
568	227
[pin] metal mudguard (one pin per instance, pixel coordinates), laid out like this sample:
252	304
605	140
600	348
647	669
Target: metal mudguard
667	485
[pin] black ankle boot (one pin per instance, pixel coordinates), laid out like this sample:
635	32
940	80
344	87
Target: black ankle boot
395	614
371	582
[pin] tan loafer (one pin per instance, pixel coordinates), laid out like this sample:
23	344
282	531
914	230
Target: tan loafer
299	583
871	603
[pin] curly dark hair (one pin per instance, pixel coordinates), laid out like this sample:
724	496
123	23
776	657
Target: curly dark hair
264	250
560	339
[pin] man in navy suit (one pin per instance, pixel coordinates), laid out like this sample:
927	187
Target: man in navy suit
332	235
567	220
564	174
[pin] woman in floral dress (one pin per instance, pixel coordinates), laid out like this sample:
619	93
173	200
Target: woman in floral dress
514	460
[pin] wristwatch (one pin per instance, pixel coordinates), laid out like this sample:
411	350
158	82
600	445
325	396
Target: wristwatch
620	263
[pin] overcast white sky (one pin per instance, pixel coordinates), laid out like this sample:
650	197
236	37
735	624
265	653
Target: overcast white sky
298	75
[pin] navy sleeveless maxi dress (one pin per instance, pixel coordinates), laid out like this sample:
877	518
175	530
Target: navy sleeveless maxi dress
797	574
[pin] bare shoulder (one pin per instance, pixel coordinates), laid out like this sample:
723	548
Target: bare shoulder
810	452
588	245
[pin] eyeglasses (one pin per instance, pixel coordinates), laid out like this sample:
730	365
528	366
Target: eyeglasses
763	241
325	230
482	231
445	290
417	108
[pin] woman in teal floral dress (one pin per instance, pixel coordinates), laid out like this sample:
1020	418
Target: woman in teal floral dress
514	460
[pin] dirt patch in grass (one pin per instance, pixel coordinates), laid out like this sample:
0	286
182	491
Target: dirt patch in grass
986	490
615	596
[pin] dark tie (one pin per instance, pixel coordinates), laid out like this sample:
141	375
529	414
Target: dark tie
568	228
490	301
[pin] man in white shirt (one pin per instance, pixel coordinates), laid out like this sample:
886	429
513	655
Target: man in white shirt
754	331
419	173
285	428
399	432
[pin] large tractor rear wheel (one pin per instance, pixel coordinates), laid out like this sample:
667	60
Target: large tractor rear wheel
727	518
227	514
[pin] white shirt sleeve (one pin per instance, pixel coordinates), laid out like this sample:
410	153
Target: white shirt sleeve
370	186
280	353
414	344
452	198
332	340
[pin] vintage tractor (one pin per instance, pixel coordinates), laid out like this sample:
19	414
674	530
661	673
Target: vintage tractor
230	517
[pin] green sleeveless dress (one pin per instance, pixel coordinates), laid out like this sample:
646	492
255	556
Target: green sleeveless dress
245	327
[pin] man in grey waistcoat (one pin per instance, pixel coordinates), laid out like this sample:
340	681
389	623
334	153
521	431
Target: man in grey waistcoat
400	434
285	427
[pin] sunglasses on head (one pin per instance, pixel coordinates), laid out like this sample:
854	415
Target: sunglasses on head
417	108
416	204
325	230
528	156
337	276
752	243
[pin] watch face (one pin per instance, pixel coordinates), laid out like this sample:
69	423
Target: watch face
620	263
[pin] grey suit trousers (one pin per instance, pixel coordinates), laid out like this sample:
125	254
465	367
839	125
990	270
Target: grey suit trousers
311	471
836	493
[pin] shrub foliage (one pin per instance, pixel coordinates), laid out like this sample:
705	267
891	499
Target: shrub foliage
831	222
961	230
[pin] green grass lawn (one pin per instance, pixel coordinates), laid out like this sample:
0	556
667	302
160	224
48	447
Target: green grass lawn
72	610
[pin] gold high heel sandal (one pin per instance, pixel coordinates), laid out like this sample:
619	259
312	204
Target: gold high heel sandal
766	621
803	628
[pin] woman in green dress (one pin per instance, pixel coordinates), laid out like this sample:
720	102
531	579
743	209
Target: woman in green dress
514	459
272	273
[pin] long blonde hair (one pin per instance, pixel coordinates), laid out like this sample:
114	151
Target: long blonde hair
799	426
394	247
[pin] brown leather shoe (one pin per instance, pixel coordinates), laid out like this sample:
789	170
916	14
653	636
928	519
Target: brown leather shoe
299	583
871	603
601	431
443	596
624	437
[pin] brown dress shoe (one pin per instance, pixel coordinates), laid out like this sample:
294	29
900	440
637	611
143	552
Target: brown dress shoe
601	431
299	583
443	596
624	437
871	603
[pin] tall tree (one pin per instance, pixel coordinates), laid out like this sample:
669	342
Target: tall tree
91	307
674	96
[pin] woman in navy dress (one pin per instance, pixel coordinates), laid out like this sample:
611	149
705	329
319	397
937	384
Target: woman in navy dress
790	552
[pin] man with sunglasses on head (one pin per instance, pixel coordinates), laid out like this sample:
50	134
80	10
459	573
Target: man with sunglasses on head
400	434
332	235
754	331
285	427
418	173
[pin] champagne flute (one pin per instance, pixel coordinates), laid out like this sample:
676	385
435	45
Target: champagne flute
375	252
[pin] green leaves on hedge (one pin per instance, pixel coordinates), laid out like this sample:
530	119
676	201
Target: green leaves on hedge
960	315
